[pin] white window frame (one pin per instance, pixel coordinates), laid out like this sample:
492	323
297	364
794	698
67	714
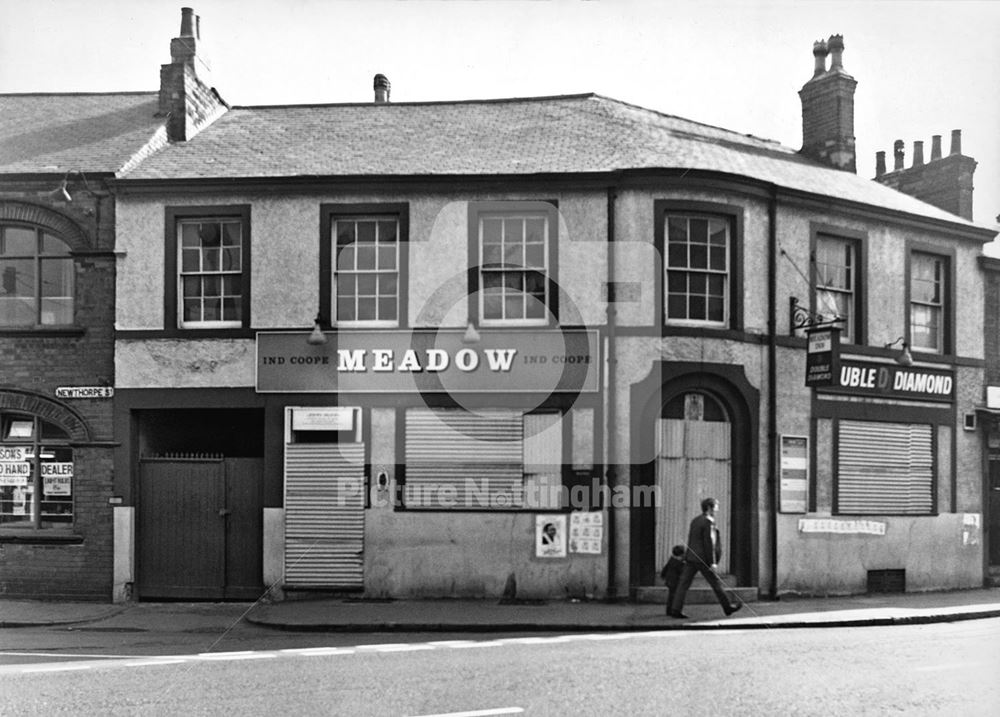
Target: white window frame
825	245
220	272
335	271
39	256
524	269
688	271
936	307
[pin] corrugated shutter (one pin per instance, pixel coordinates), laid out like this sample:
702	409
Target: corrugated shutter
543	444
457	459
324	514
884	468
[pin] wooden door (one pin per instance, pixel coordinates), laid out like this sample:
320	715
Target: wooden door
244	528
181	529
994	508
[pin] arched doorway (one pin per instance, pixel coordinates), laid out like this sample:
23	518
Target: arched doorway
694	434
693	439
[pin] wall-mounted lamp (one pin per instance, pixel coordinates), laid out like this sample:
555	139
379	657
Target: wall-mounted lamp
471	335
904	358
63	189
317	337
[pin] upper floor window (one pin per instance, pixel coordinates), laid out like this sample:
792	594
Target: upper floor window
208	267
513	258
697	287
36	473
837	292
928	302
363	255
36	278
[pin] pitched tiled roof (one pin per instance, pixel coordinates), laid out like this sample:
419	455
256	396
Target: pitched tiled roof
56	133
567	134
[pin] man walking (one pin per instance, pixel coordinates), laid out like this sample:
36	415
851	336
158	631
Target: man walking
704	549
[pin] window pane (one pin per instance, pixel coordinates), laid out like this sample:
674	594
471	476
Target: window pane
492	306
698	229
535	255
387	308
698	307
212	309
534	306
513	254
699	256
387	232
19	241
345	311
232	234
677	306
366	256
534	231
514	307
491	279
189	235
346	285
192	309
387	284
232	259
345	258
211	285
57	312
717	258
716	309
677	230
366	232
366	308
52	245
492	231
677	256
387	258
514	281
209	235
513	231
190	260
492	254
211	259
232	285
232	308
345	233
366	284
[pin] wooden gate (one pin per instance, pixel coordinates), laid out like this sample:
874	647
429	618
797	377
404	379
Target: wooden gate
199	528
693	462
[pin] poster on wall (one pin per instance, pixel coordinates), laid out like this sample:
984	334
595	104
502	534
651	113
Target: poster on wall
586	532
794	486
550	536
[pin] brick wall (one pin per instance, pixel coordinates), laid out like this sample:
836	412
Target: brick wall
77	562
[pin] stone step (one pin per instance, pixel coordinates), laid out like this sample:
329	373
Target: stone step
698	594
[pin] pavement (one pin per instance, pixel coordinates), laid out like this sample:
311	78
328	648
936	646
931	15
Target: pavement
448	615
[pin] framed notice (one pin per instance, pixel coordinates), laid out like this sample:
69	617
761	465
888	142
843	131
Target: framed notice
550	536
793	492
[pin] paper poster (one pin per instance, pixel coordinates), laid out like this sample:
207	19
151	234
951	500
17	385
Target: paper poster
550	536
586	532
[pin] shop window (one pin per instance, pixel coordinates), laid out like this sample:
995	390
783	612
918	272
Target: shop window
489	460
363	252
36	278
208	268
928	302
697	245
512	252
836	283
36	474
884	468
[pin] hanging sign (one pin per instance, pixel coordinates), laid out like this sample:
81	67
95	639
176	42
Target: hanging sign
822	355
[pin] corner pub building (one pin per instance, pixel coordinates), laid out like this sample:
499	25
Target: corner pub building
545	328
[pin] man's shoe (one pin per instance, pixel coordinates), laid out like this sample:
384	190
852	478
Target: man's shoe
734	608
678	615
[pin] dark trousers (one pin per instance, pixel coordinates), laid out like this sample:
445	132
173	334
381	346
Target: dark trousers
687	575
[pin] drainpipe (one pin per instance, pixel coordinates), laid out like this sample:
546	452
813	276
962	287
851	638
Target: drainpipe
610	420
772	388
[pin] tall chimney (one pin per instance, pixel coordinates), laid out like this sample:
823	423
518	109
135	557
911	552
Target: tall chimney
935	147
879	164
382	87
828	108
945	182
898	155
186	99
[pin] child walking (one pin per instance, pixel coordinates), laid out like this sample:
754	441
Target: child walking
671	572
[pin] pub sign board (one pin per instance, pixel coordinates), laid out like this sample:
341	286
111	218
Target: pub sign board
822	355
866	378
427	360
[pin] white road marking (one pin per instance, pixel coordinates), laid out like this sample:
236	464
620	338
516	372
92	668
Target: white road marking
241	655
318	651
56	667
153	661
480	713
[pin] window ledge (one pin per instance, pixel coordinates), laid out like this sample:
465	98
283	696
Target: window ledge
39	537
41	331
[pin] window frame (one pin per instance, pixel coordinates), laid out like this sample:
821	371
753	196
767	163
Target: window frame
946	331
38	258
733	215
857	240
35	443
173	294
329	215
513	209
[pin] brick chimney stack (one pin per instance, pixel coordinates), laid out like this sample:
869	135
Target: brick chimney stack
945	182
828	108
186	99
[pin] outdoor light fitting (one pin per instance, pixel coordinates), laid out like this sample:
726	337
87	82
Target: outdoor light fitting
63	189
317	337
904	358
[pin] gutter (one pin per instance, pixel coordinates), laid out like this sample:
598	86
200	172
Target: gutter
610	416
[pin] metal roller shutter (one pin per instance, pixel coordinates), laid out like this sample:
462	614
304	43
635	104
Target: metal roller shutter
457	459
885	468
324	515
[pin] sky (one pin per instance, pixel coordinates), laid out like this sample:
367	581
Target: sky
923	67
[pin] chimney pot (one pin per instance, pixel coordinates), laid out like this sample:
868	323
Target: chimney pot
382	87
836	47
918	153
819	54
897	154
935	147
956	141
879	164
187	22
